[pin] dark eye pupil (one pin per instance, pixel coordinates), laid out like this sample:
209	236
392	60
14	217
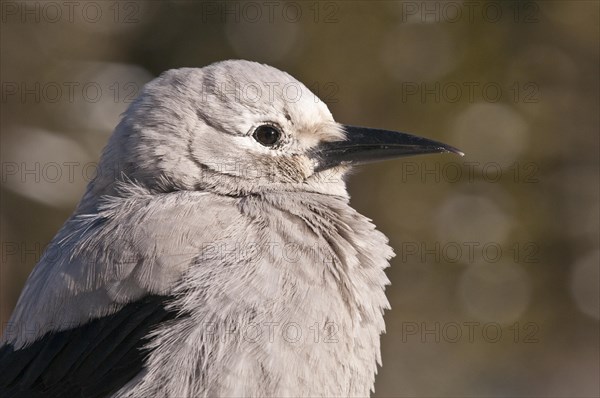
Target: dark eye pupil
267	135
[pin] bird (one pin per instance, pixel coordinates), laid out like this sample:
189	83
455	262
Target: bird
215	253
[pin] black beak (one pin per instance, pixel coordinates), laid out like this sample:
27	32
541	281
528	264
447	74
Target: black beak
366	145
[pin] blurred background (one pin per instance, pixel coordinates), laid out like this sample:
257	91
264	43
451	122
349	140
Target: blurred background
495	286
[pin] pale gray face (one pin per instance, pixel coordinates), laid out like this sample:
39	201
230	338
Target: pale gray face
239	127
259	125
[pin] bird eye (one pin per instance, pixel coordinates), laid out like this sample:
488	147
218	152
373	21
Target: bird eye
267	135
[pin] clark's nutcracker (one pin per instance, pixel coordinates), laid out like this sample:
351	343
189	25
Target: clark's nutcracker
214	254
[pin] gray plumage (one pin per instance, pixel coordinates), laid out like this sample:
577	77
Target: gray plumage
277	282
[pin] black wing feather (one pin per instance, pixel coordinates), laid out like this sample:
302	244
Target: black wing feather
92	360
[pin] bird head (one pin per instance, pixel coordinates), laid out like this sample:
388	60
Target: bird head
238	128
